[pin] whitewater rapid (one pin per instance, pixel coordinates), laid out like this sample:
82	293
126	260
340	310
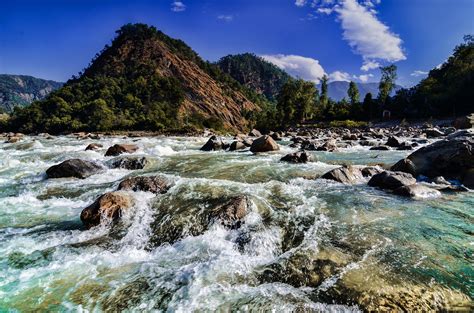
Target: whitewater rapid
49	261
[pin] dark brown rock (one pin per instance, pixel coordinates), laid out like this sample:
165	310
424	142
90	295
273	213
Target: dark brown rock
297	157
231	214
213	144
155	184
108	206
94	146
129	163
118	149
345	174
264	144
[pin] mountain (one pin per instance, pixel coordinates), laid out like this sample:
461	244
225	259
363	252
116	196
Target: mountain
145	80
21	90
255	73
338	90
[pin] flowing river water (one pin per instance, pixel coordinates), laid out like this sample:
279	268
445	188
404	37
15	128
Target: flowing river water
307	244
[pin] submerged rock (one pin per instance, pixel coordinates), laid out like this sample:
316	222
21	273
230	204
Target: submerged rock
264	144
417	191
391	180
297	157
74	168
232	213
130	163
118	149
380	148
214	143
108	206
329	146
155	184
433	133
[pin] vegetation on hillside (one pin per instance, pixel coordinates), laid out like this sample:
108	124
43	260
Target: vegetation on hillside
255	73
122	89
21	90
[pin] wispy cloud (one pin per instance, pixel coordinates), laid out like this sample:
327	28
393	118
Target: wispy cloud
298	66
225	18
365	78
419	73
364	32
300	3
178	6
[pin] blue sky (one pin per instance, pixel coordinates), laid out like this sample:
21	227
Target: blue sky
345	39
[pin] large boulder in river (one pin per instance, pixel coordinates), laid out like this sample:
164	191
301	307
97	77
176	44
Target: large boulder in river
74	168
345	174
214	143
129	163
264	144
329	146
452	159
393	142
433	133
118	149
155	184
108	206
391	180
296	157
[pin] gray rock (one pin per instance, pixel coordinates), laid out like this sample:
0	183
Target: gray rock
297	157
345	174
74	168
129	163
391	180
154	184
118	149
417	191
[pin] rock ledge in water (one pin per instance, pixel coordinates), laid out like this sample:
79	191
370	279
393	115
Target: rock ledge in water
155	184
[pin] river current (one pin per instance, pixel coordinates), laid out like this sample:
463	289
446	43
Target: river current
307	244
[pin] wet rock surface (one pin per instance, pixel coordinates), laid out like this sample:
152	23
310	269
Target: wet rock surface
118	149
264	144
74	168
154	184
129	163
107	207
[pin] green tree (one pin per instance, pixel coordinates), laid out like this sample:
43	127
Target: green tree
368	106
387	82
296	102
324	90
353	93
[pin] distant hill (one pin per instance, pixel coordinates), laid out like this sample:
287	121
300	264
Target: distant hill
145	80
21	90
338	90
255	73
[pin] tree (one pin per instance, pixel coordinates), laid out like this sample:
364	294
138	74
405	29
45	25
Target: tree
324	90
387	82
353	93
368	106
296	101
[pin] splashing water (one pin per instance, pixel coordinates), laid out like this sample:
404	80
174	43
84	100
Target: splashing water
306	244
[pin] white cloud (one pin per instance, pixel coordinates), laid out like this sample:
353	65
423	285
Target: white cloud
364	78
367	35
419	73
300	3
225	18
298	66
369	65
339	76
178	6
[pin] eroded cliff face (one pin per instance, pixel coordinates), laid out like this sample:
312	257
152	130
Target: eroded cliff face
21	90
204	94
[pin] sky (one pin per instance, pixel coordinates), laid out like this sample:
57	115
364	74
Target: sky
344	39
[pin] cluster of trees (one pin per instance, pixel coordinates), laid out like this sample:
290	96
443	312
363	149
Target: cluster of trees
299	101
446	92
121	89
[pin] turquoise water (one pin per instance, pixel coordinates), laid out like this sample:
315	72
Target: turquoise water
328	246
